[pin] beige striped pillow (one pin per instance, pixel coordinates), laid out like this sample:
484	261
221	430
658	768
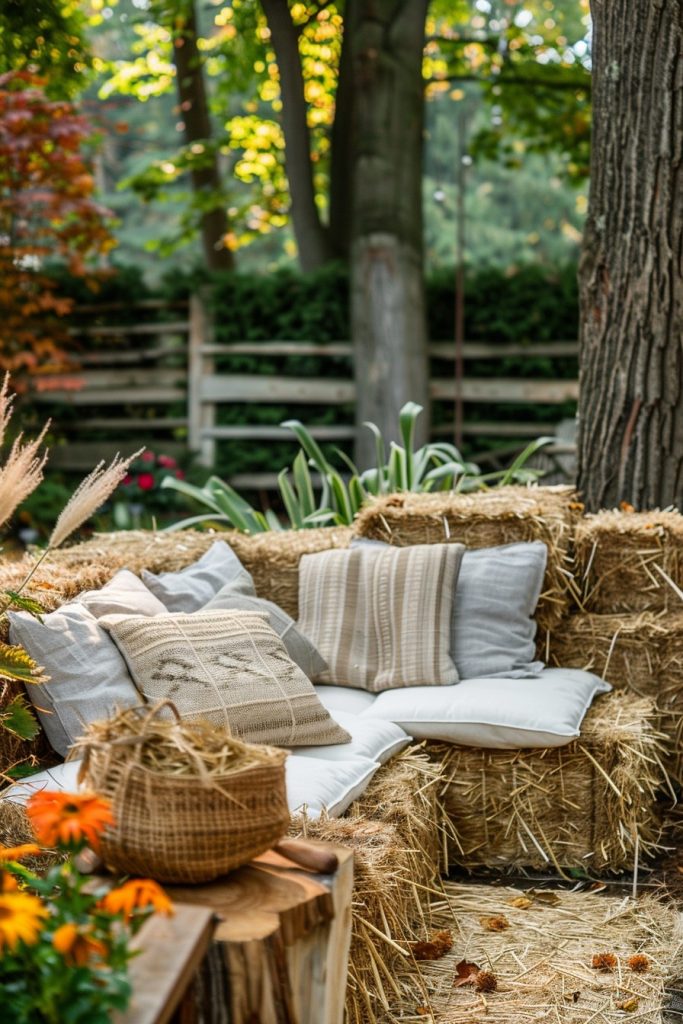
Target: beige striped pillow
381	617
229	667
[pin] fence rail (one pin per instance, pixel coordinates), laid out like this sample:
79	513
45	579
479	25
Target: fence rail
160	378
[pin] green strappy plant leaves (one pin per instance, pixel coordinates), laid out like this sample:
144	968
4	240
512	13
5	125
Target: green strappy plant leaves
437	466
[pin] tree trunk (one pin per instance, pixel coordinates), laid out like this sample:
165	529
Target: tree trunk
631	271
310	233
387	290
194	107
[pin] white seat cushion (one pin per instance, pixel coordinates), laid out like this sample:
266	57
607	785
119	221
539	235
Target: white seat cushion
546	711
314	784
343	698
372	738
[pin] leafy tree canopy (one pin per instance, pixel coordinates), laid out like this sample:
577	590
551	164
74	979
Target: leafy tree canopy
46	37
528	59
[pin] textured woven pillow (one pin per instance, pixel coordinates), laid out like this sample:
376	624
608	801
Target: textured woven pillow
381	617
299	647
228	667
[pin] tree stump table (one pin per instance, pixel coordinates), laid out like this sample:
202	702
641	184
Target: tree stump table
268	943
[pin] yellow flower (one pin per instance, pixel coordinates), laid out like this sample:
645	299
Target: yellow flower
21	917
138	893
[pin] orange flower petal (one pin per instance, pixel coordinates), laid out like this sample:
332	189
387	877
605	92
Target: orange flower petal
17	852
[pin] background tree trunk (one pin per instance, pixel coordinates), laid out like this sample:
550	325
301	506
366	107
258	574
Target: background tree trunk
195	114
631	271
310	233
386	39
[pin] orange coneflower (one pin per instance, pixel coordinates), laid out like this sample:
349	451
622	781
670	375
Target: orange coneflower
21	917
77	945
18	852
137	894
69	819
8	882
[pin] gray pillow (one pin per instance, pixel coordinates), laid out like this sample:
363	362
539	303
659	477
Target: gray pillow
190	589
124	594
299	647
496	596
88	676
493	632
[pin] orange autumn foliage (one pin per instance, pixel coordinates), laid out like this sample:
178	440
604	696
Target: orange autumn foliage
47	214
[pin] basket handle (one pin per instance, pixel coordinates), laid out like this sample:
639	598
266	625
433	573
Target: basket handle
149	717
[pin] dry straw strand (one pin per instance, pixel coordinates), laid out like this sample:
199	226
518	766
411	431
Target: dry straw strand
90	495
6	403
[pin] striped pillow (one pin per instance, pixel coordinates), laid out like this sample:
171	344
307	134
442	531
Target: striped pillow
381	617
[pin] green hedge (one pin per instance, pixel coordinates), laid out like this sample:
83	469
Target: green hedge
524	304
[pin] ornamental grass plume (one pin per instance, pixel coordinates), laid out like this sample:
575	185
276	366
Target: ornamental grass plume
22	472
90	494
6	401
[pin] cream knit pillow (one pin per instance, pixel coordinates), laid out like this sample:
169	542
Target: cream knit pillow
381	616
229	667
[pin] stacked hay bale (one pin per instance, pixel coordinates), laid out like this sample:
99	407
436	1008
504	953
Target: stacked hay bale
591	804
628	627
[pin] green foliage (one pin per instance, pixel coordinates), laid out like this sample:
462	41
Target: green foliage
18	718
16	664
434	466
46	37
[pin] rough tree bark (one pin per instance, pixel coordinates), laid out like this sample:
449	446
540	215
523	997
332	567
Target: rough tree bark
311	234
631	271
386	39
195	114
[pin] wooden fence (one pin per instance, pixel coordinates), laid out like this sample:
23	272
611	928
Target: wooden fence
157	383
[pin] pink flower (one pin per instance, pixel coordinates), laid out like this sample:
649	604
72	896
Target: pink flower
179	475
147	457
167	461
128	479
145	481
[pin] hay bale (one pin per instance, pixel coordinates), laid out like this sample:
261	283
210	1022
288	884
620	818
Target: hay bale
642	653
272	558
15	830
485	519
623	560
542	962
394	832
591	804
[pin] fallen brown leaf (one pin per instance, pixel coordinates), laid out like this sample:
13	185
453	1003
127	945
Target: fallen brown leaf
629	1004
521	902
465	973
551	899
639	963
604	961
485	981
433	949
495	924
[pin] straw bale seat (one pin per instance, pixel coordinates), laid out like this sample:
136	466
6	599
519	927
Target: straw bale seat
502	516
591	804
625	560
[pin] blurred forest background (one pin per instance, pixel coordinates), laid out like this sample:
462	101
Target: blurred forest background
188	118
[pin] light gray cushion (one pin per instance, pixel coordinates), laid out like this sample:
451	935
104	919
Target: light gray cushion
299	647
542	712
493	632
496	596
124	593
190	589
88	676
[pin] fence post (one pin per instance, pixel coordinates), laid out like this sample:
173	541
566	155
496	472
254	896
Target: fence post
201	415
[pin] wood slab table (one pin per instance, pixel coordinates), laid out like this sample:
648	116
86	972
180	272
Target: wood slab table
267	944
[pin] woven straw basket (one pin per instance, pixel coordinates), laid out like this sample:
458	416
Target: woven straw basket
191	824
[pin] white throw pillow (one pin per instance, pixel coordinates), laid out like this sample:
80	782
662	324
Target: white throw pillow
343	698
545	711
125	593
